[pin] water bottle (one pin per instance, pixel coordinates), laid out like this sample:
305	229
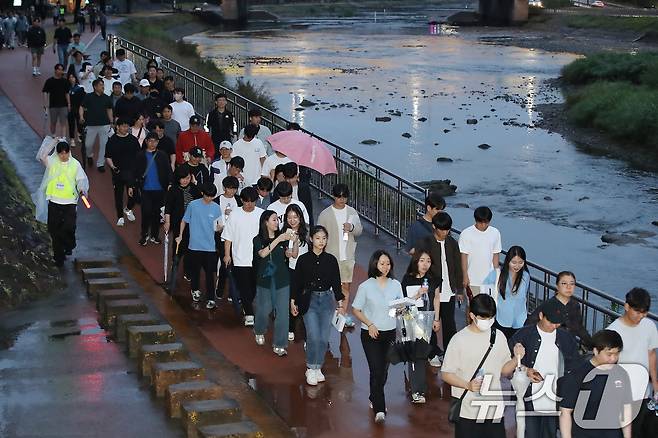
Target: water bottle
480	377
652	404
426	284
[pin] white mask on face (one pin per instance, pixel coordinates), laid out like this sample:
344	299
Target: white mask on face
178	97
484	324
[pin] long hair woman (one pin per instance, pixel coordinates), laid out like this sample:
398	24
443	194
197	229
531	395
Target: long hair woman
513	285
298	246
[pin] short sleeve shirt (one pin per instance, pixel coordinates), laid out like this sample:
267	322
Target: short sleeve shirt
373	301
480	247
96	109
125	68
201	218
57	90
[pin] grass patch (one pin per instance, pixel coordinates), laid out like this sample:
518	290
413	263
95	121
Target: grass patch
639	69
155	33
634	24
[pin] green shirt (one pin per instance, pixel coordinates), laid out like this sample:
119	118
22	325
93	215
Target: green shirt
279	263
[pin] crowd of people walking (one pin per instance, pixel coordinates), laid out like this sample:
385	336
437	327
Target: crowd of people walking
241	211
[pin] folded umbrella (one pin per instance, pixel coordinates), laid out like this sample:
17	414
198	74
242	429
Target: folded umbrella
304	150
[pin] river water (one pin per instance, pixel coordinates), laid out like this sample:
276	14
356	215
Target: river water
546	194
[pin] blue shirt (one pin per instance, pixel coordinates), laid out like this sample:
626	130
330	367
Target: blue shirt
512	311
373	301
152	180
201	218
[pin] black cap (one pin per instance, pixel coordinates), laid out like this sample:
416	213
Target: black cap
196	152
195	120
553	311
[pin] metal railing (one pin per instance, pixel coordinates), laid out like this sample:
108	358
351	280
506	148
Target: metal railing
390	203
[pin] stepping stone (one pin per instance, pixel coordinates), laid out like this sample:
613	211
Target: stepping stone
96	284
113	308
139	335
81	263
179	393
155	353
208	412
243	429
89	273
103	296
122	323
169	373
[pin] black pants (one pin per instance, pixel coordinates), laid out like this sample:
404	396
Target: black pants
543	426
103	31
507	331
208	261
152	201
245	280
92	25
74	123
376	351
418	376
61	226
448	326
119	187
644	425
465	428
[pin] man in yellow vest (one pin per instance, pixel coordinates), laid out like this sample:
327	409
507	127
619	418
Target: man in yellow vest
65	182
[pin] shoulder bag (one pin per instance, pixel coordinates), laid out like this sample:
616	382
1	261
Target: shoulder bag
456	403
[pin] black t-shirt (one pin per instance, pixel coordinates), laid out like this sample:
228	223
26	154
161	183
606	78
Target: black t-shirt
200	173
167	146
128	108
96	109
123	152
411	280
63	35
597	397
57	90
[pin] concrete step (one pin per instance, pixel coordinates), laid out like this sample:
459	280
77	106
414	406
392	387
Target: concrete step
114	294
169	373
89	273
179	393
242	429
96	284
139	335
113	308
150	354
208	412
122	323
81	263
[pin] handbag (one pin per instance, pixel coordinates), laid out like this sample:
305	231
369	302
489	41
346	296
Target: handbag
456	403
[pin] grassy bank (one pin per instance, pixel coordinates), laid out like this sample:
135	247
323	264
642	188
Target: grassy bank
616	93
26	271
163	34
630	24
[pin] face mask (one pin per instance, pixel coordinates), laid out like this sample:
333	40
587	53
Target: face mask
178	96
484	324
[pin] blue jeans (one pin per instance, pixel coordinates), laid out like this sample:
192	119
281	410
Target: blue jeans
317	320
61	54
280	298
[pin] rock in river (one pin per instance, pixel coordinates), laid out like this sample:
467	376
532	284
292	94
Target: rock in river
484	146
471	121
369	141
620	239
307	103
444	160
406	135
382	119
442	187
654	223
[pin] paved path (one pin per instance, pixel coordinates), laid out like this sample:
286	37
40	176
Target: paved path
339	406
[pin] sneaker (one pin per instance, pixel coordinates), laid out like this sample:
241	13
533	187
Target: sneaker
155	240
319	376
249	320
311	377
72	143
436	362
418	398
186	278
380	417
291	336
129	214
260	339
349	321
210	305
121	223
196	295
38	71
280	351
34	71
369	404
143	241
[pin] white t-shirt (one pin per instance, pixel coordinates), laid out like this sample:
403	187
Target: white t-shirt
465	351
271	162
638	341
125	68
108	86
224	203
280	209
446	291
87	83
341	218
546	363
480	247
181	112
220	166
251	152
263	133
292	261
240	230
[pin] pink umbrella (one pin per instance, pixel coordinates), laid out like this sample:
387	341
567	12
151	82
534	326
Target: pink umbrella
304	150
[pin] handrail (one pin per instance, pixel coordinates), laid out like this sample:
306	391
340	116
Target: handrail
390	203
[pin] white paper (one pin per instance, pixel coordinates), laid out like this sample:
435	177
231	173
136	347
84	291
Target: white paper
338	321
411	292
402	302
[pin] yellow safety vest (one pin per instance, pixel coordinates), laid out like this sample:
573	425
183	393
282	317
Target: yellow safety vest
62	181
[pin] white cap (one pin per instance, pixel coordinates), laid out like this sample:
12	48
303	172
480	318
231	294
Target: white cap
144	83
225	145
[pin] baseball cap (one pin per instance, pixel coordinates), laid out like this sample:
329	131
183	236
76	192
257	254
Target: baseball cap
144	83
196	152
225	145
553	312
195	120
